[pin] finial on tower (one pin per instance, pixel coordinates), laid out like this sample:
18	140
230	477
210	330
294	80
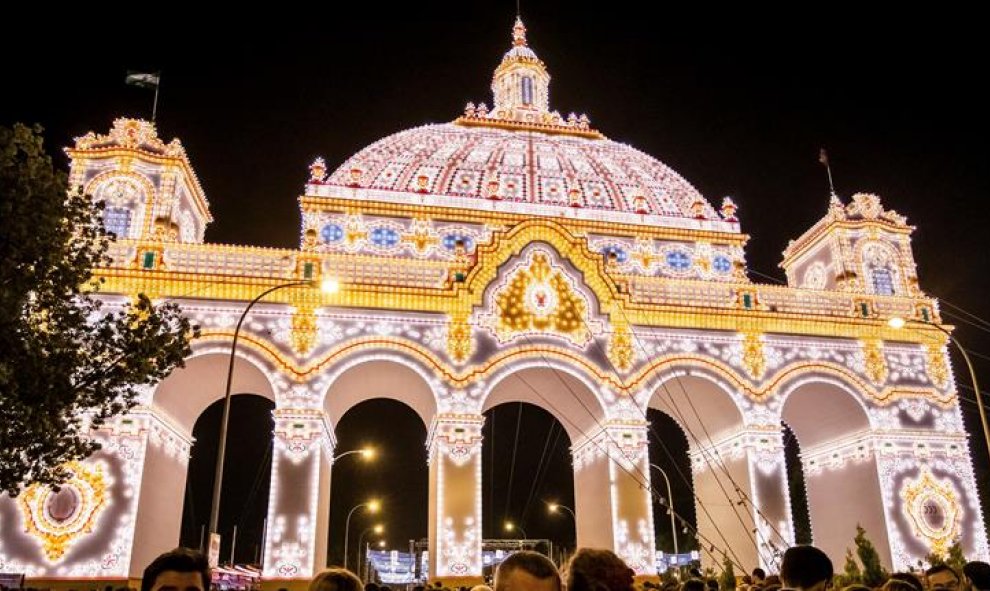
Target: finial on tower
519	33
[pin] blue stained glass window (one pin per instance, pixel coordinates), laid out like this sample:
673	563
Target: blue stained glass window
385	237
332	233
117	221
721	264
451	239
883	281
527	90
678	259
621	255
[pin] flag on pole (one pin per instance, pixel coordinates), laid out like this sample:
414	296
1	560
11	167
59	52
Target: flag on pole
823	157
142	79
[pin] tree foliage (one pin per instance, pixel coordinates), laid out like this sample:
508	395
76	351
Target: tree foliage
873	572
68	362
727	580
851	574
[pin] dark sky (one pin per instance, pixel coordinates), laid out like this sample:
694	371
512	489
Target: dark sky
738	100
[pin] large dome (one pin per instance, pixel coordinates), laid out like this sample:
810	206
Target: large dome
479	163
523	153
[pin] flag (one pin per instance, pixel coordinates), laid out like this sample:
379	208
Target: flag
142	79
823	157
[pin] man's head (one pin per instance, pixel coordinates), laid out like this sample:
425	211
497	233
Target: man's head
942	577
181	569
758	575
336	579
591	569
693	585
807	568
977	575
527	571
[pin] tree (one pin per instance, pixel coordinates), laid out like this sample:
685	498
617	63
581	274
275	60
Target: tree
68	363
727	581
954	556
873	573
851	575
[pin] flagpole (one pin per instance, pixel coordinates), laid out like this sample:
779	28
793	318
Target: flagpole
823	158
154	107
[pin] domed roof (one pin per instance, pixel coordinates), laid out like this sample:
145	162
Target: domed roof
522	153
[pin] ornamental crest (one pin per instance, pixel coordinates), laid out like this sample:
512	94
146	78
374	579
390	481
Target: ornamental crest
537	298
59	519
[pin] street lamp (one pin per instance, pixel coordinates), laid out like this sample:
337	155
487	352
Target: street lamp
556	507
374	506
328	285
510	527
897	322
378	529
670	505
367	453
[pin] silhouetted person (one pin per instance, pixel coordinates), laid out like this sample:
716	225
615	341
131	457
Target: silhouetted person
527	571
910	579
693	585
976	576
181	569
336	579
805	568
942	577
593	569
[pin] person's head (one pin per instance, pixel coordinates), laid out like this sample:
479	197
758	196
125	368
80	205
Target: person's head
910	579
371	587
856	587
807	568
593	569
977	575
336	579
481	588
693	585
897	585
942	577
712	585
181	569
527	571
758	575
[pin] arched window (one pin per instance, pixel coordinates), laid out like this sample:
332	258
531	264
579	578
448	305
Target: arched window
527	90
883	281
117	221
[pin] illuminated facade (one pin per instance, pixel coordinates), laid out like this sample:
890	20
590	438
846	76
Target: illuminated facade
516	254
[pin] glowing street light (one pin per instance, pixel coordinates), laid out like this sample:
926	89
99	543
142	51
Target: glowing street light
896	322
328	286
367	454
556	508
374	506
511	527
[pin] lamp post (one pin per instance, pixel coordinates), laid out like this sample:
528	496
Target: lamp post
670	505
327	286
555	507
898	323
510	527
368	453
378	529
373	507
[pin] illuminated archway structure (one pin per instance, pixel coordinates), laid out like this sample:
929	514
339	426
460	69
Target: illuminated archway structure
517	254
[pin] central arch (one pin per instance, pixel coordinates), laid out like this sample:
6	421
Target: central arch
832	428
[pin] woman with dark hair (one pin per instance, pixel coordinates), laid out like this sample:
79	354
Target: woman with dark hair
593	569
336	579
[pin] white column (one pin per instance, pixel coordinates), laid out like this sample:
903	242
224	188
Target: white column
299	501
455	498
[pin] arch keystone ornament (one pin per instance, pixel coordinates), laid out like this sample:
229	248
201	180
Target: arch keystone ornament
934	510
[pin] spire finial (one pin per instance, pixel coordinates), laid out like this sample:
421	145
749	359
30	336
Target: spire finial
519	33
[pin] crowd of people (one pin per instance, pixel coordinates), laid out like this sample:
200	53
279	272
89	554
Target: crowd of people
802	568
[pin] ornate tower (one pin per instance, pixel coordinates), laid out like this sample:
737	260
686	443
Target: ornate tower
856	248
149	187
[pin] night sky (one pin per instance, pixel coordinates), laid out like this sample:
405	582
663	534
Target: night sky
738	101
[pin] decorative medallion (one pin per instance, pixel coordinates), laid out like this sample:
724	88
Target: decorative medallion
933	510
753	357
538	298
874	362
59	518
